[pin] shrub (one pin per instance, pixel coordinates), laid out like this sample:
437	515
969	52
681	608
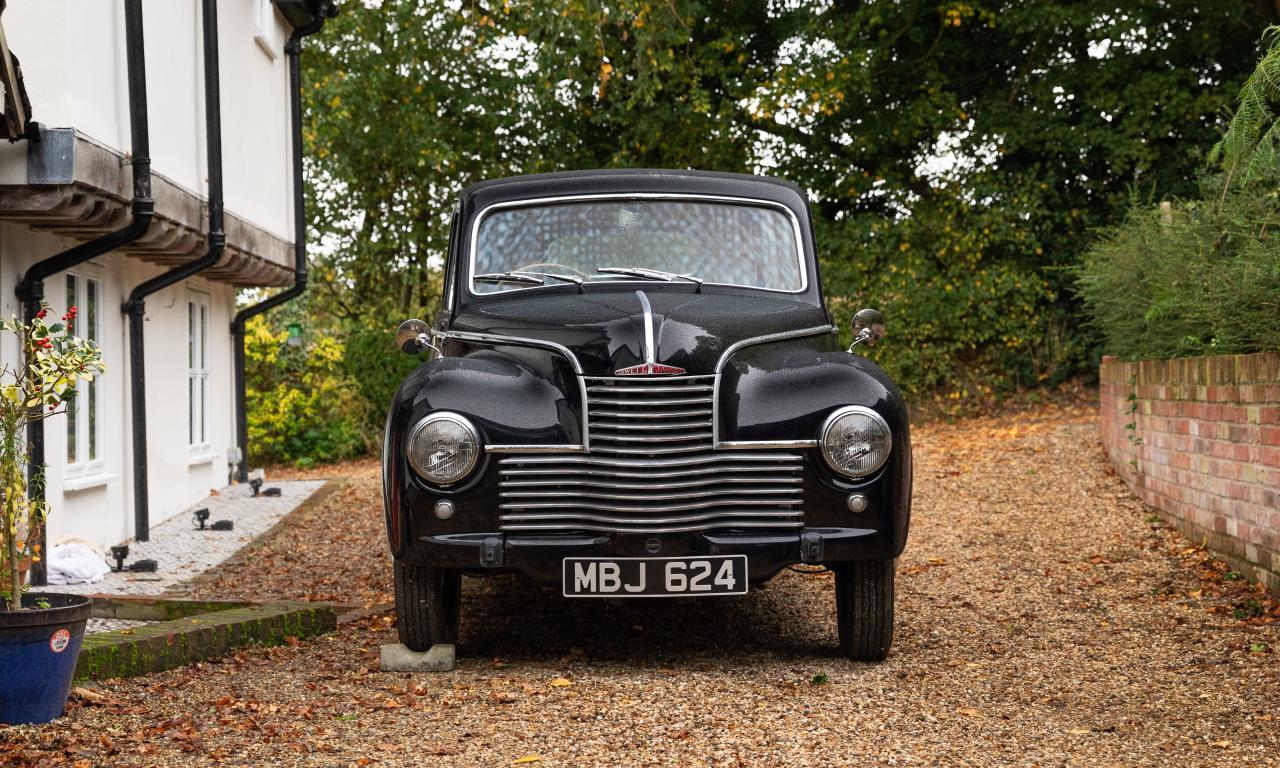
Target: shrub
377	368
1195	277
302	406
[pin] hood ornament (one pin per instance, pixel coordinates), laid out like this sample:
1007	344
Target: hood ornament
650	366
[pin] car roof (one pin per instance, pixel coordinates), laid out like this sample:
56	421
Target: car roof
634	180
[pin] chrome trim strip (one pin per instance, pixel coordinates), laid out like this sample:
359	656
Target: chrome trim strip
650	352
536	448
733	349
645	520
737	346
522	341
531	202
533	505
657	480
757	444
516	341
665	463
727	523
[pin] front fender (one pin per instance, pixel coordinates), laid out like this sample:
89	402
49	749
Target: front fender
510	400
786	392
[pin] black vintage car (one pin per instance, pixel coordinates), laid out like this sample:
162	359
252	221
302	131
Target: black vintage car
635	390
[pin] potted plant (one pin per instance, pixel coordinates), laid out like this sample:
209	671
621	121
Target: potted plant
40	634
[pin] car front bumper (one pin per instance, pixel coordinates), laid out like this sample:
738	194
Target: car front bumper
540	557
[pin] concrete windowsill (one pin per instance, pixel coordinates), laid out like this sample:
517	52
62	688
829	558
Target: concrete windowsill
86	482
197	459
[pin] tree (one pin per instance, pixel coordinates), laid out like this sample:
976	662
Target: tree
958	154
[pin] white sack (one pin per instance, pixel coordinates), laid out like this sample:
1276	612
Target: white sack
75	563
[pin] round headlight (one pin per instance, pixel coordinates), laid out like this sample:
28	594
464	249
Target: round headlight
443	448
855	441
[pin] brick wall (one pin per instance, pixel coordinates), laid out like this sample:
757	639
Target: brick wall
1198	439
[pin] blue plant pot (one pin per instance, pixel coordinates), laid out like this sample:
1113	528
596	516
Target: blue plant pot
38	651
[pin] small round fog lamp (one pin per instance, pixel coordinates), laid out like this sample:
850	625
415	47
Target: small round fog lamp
856	502
444	509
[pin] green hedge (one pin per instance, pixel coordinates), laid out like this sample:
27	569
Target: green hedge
303	407
1197	277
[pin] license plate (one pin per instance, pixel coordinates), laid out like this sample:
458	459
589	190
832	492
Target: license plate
655	576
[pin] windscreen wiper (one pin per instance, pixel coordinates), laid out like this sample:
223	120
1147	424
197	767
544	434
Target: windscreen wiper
528	277
508	277
554	276
651	274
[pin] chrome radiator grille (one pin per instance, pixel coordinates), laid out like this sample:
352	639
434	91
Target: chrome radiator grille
651	469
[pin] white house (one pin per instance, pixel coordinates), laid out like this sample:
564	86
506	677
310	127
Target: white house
76	183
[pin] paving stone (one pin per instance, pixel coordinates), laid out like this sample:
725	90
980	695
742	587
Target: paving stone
183	552
395	657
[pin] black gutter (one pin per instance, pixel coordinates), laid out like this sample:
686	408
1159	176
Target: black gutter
30	289
135	307
293	50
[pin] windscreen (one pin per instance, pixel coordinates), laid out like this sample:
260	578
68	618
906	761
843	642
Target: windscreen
716	242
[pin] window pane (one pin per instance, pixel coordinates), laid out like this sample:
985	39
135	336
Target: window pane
204	407
91	403
191	411
204	336
191	335
91	309
71	430
71	299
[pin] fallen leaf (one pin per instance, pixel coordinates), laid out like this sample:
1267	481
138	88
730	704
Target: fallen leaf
502	697
527	759
1224	744
560	682
1078	731
90	696
970	712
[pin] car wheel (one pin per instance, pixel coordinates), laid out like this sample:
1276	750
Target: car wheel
864	608
427	601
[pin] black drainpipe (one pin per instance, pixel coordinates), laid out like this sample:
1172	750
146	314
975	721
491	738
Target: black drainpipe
135	307
30	289
293	50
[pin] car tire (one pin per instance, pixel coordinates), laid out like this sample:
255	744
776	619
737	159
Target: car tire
427	602
864	608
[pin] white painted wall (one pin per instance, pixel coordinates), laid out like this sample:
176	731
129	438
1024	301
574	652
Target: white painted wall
103	513
73	62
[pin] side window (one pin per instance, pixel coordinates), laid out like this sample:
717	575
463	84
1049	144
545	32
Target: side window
84	422
198	372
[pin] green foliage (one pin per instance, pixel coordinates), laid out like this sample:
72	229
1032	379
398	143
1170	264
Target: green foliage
958	154
372	361
1191	278
1253	138
53	360
302	406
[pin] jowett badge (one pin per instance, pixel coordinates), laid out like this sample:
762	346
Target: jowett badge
60	640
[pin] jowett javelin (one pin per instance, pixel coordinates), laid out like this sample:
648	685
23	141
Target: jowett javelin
635	390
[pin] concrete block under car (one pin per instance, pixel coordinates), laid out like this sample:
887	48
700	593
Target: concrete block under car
440	657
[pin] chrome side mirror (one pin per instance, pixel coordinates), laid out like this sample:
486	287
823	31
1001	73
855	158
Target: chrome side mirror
868	327
413	336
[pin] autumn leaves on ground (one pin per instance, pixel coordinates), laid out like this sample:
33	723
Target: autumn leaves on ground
1044	618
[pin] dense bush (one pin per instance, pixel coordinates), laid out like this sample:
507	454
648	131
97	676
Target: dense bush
302	406
1189	278
377	368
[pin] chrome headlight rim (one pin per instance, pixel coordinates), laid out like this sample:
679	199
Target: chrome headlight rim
461	421
831	420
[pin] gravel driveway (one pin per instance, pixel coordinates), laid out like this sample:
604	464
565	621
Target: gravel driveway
1044	619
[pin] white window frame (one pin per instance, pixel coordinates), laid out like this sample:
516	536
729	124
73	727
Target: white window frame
264	17
78	420
199	395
